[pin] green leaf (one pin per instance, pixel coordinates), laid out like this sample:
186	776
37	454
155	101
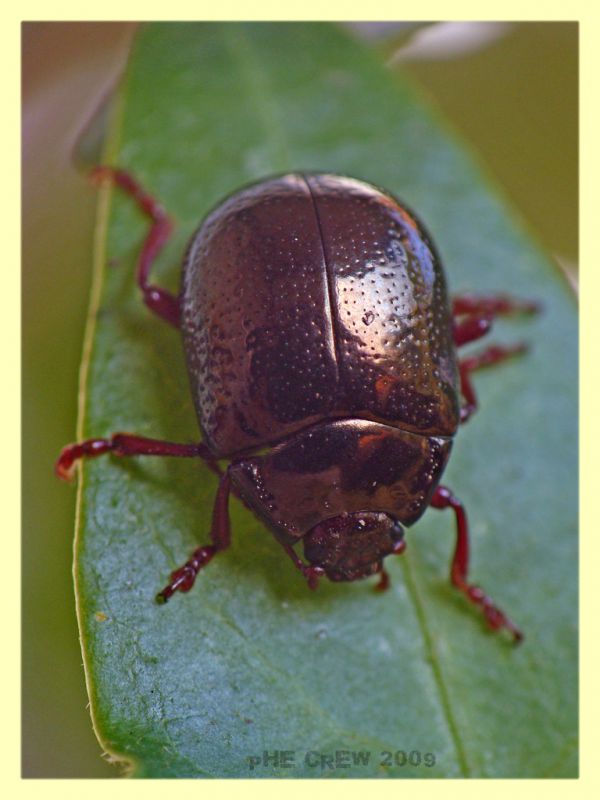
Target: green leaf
250	660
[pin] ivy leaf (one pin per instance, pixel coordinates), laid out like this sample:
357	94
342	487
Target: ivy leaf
408	683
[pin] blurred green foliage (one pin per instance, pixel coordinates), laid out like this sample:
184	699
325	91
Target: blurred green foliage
516	102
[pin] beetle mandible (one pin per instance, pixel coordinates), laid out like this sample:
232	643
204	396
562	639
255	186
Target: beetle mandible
321	350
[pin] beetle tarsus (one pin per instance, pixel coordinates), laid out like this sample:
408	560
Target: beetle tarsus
183	578
312	572
72	453
496	619
384	579
127	444
383	584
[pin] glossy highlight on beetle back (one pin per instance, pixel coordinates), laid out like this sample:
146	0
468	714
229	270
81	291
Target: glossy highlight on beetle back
255	317
390	309
311	297
342	467
320	348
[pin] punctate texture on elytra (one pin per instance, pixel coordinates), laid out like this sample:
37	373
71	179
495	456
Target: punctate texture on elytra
313	297
320	346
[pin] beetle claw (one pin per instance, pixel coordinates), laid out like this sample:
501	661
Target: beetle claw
383	583
65	470
312	575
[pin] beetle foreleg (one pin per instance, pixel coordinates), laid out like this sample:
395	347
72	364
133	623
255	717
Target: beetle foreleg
158	300
311	572
443	498
383	584
127	444
183	578
384	578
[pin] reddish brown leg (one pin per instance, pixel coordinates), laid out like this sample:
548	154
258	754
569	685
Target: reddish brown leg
383	584
158	300
443	498
471	328
384	579
493	355
183	578
492	305
127	444
473	319
311	573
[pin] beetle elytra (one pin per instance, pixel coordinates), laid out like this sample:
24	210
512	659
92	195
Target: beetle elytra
321	350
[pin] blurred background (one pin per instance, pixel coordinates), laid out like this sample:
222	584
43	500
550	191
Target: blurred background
509	89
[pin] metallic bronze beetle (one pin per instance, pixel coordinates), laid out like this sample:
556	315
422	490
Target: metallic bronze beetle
321	350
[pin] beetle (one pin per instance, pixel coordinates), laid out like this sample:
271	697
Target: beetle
321	349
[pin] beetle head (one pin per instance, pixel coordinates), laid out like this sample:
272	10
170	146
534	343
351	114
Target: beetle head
352	546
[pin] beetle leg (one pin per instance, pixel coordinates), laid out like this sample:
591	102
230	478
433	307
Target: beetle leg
127	444
478	313
443	498
473	327
383	584
384	579
472	319
311	572
492	355
158	300
491	305
183	578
